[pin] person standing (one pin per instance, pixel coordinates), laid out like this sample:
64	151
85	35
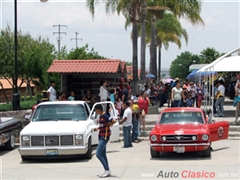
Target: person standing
220	99
125	93
52	95
71	97
143	103
104	94
237	95
126	121
193	90
104	135
177	95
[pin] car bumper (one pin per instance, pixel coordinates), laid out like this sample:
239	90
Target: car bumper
42	151
190	147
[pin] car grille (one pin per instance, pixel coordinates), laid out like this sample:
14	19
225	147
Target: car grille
37	140
52	140
66	140
180	138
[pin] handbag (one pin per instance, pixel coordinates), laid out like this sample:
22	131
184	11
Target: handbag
143	113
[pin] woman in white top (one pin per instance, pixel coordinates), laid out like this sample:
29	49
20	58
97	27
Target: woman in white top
104	95
177	95
220	99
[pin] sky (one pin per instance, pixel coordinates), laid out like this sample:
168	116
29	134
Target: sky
107	33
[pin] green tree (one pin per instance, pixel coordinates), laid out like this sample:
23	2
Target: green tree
180	66
132	11
34	57
128	63
209	55
84	53
187	9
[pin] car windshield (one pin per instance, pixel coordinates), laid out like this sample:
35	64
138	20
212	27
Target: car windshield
181	117
60	112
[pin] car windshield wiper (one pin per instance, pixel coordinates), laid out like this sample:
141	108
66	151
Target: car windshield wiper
46	119
66	119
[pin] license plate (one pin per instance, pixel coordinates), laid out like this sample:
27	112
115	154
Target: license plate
179	149
52	152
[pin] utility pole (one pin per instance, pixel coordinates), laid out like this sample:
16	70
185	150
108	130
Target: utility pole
76	38
59	35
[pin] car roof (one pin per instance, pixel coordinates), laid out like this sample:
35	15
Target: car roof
61	102
182	109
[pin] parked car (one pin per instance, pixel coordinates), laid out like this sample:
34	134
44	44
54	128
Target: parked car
9	131
62	128
185	130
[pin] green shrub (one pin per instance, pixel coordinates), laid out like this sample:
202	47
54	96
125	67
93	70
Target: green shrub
28	98
6	107
24	105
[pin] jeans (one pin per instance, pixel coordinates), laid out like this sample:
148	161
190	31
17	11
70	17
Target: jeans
101	152
135	123
127	136
177	103
219	105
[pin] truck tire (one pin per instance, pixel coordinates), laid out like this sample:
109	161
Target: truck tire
154	154
207	152
11	143
88	155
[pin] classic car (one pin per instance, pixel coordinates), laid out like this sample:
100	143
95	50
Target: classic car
9	131
185	130
62	128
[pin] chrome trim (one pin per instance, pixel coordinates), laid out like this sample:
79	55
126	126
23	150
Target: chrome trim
181	144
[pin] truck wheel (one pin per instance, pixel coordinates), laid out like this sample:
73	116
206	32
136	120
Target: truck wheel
11	143
207	152
88	155
154	154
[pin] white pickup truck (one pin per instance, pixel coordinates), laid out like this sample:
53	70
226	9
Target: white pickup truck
62	128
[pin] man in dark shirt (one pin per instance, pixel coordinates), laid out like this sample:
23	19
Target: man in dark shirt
125	94
104	134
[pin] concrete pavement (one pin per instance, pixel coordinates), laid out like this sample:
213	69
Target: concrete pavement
129	164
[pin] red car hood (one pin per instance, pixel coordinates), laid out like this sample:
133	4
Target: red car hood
179	129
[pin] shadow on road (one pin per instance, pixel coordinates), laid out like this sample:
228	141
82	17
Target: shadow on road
3	151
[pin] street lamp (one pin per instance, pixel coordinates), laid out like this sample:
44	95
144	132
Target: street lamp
16	97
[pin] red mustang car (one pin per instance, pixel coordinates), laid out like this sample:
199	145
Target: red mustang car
185	130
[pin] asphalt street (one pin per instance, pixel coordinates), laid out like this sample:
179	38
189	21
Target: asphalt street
129	163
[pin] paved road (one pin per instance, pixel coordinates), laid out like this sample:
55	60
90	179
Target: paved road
131	163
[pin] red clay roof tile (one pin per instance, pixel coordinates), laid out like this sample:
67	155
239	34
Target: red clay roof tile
85	66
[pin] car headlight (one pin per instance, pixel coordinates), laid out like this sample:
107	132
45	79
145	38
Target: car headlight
194	138
164	138
153	138
79	136
25	138
205	137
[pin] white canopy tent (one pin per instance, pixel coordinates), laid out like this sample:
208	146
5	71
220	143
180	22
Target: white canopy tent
222	64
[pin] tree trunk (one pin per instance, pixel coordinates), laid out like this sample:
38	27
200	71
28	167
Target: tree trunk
159	60
135	57
143	44
5	95
153	61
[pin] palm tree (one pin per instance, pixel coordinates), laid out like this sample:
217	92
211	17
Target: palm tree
187	9
143	42
209	55
132	11
168	29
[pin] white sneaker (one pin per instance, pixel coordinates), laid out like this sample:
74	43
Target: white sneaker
105	174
